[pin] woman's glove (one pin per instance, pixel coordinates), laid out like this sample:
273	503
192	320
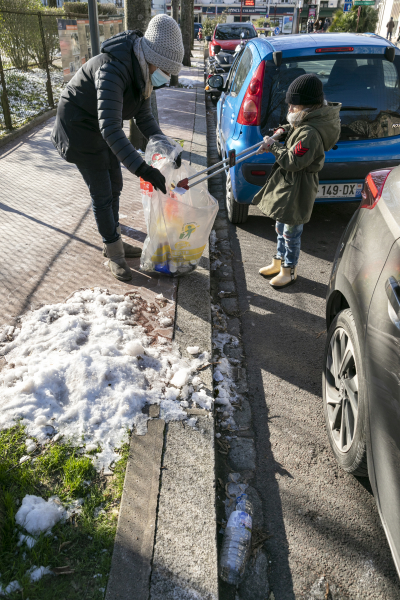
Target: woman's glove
153	176
178	161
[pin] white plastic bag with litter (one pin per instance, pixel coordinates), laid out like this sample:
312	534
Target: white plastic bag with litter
178	226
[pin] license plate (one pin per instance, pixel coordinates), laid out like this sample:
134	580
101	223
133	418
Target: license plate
339	190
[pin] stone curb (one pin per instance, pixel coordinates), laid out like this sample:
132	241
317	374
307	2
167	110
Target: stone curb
236	453
25	128
134	540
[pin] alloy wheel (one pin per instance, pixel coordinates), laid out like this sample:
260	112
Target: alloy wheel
341	389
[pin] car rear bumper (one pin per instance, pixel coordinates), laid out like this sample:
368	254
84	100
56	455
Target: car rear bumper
331	171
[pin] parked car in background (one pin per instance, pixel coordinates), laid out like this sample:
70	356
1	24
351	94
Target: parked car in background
361	71
361	374
229	35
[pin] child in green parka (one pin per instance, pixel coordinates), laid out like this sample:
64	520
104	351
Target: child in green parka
291	188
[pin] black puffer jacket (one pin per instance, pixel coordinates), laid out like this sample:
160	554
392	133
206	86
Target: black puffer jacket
103	93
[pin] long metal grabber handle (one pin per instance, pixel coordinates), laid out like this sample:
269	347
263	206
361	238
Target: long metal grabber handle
224	168
222	162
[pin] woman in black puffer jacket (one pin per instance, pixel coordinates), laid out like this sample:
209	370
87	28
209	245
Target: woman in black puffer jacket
114	86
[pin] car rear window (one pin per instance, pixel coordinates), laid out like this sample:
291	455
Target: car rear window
231	32
366	86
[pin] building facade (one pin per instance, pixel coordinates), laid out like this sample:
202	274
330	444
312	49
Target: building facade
262	8
387	9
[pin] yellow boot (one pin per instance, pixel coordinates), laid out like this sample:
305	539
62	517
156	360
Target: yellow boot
273	268
286	276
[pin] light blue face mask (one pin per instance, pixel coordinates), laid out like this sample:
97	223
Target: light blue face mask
159	78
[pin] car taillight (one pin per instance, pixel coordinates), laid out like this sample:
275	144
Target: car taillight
373	186
258	173
250	111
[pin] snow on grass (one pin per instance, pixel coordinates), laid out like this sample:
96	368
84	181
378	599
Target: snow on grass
27	95
36	515
87	367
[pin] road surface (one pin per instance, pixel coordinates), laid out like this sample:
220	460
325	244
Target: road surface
326	538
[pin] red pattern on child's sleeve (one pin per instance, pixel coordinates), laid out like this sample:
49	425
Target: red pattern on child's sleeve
300	150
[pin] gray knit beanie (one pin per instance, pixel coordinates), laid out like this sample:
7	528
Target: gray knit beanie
162	44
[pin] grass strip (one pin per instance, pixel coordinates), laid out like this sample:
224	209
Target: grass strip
79	550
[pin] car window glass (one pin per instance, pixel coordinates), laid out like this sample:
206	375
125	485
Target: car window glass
232	72
368	89
233	32
242	71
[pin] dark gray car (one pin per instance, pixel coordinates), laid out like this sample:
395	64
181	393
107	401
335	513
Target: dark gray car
361	376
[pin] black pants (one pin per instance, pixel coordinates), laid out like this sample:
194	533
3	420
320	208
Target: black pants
105	187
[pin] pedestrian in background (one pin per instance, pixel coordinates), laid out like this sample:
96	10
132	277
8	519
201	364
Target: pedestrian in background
327	24
114	86
288	196
390	27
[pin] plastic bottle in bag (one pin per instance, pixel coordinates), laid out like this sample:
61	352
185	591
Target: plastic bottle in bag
237	541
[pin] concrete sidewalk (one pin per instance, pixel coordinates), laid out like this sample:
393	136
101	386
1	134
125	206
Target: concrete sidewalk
165	544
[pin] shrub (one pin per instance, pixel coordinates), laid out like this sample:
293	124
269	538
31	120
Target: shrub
81	8
210	24
347	21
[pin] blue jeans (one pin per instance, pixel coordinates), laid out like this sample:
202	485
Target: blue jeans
289	241
105	187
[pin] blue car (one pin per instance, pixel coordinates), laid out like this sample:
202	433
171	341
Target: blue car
359	70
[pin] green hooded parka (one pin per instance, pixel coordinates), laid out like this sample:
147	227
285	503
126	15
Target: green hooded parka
291	189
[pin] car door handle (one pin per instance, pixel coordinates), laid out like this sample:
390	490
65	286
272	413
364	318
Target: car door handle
392	288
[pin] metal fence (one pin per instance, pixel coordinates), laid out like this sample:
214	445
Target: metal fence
32	66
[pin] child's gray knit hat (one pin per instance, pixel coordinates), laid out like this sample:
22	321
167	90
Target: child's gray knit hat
162	44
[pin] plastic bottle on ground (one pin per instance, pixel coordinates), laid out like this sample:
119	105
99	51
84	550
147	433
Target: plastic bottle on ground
237	541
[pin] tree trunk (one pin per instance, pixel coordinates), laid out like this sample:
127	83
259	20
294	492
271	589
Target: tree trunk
137	16
175	10
192	32
175	15
186	29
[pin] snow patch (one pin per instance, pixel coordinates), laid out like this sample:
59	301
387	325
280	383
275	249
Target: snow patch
37	516
85	369
35	573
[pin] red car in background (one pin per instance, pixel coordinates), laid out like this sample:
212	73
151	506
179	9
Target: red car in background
229	35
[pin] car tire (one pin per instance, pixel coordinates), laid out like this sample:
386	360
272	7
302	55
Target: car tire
218	144
206	53
237	213
343	390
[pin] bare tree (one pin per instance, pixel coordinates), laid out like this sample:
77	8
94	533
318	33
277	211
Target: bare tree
186	28
137	16
175	15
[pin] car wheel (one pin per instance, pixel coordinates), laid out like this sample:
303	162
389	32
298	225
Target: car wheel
237	213
343	388
218	144
206	53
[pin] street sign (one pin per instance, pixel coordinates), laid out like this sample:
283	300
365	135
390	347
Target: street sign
347	6
277	31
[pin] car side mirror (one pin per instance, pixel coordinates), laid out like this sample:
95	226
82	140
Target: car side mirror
217	82
217	49
208	38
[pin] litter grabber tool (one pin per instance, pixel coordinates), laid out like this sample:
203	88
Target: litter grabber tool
182	186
